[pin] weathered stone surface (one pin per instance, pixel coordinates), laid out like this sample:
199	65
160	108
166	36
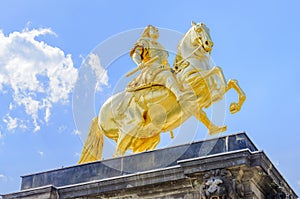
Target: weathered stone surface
47	192
228	167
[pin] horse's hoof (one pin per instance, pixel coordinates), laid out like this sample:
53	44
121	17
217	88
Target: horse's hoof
116	154
216	129
234	107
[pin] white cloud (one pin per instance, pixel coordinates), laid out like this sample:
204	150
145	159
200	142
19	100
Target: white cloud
77	132
39	74
298	182
77	154
1	139
47	114
62	128
11	106
13	123
41	153
10	122
100	72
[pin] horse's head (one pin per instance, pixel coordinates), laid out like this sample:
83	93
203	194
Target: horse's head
201	36
194	48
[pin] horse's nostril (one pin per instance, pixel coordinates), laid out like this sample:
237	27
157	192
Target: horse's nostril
206	42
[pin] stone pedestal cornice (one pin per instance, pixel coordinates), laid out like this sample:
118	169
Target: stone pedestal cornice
233	169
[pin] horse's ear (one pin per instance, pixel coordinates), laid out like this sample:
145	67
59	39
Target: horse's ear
194	23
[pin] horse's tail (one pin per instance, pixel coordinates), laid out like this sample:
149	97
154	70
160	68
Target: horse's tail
93	146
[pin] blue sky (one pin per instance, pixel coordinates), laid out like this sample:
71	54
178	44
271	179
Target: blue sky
43	45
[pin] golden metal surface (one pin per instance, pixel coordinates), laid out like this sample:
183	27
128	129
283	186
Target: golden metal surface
158	99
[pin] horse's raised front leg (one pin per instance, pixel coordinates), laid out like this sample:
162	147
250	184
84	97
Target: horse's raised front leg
236	106
212	128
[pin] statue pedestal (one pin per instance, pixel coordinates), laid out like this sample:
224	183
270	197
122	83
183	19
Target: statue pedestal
224	167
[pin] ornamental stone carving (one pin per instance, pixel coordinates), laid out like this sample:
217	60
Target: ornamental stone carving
221	184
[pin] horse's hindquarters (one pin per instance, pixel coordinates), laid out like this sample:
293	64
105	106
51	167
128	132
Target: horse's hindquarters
108	113
140	114
157	111
136	119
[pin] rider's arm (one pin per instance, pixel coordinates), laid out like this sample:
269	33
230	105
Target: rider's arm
137	53
136	57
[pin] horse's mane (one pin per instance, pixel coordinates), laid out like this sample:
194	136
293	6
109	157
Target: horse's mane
190	34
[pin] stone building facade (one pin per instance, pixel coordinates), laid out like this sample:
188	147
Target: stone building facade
228	167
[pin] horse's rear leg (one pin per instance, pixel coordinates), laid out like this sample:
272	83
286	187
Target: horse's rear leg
212	128
123	144
137	144
236	106
146	144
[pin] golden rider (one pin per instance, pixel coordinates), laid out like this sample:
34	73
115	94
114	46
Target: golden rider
152	60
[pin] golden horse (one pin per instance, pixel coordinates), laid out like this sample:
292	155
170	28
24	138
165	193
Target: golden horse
134	120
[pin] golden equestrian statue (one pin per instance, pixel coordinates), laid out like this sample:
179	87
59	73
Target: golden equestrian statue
161	98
